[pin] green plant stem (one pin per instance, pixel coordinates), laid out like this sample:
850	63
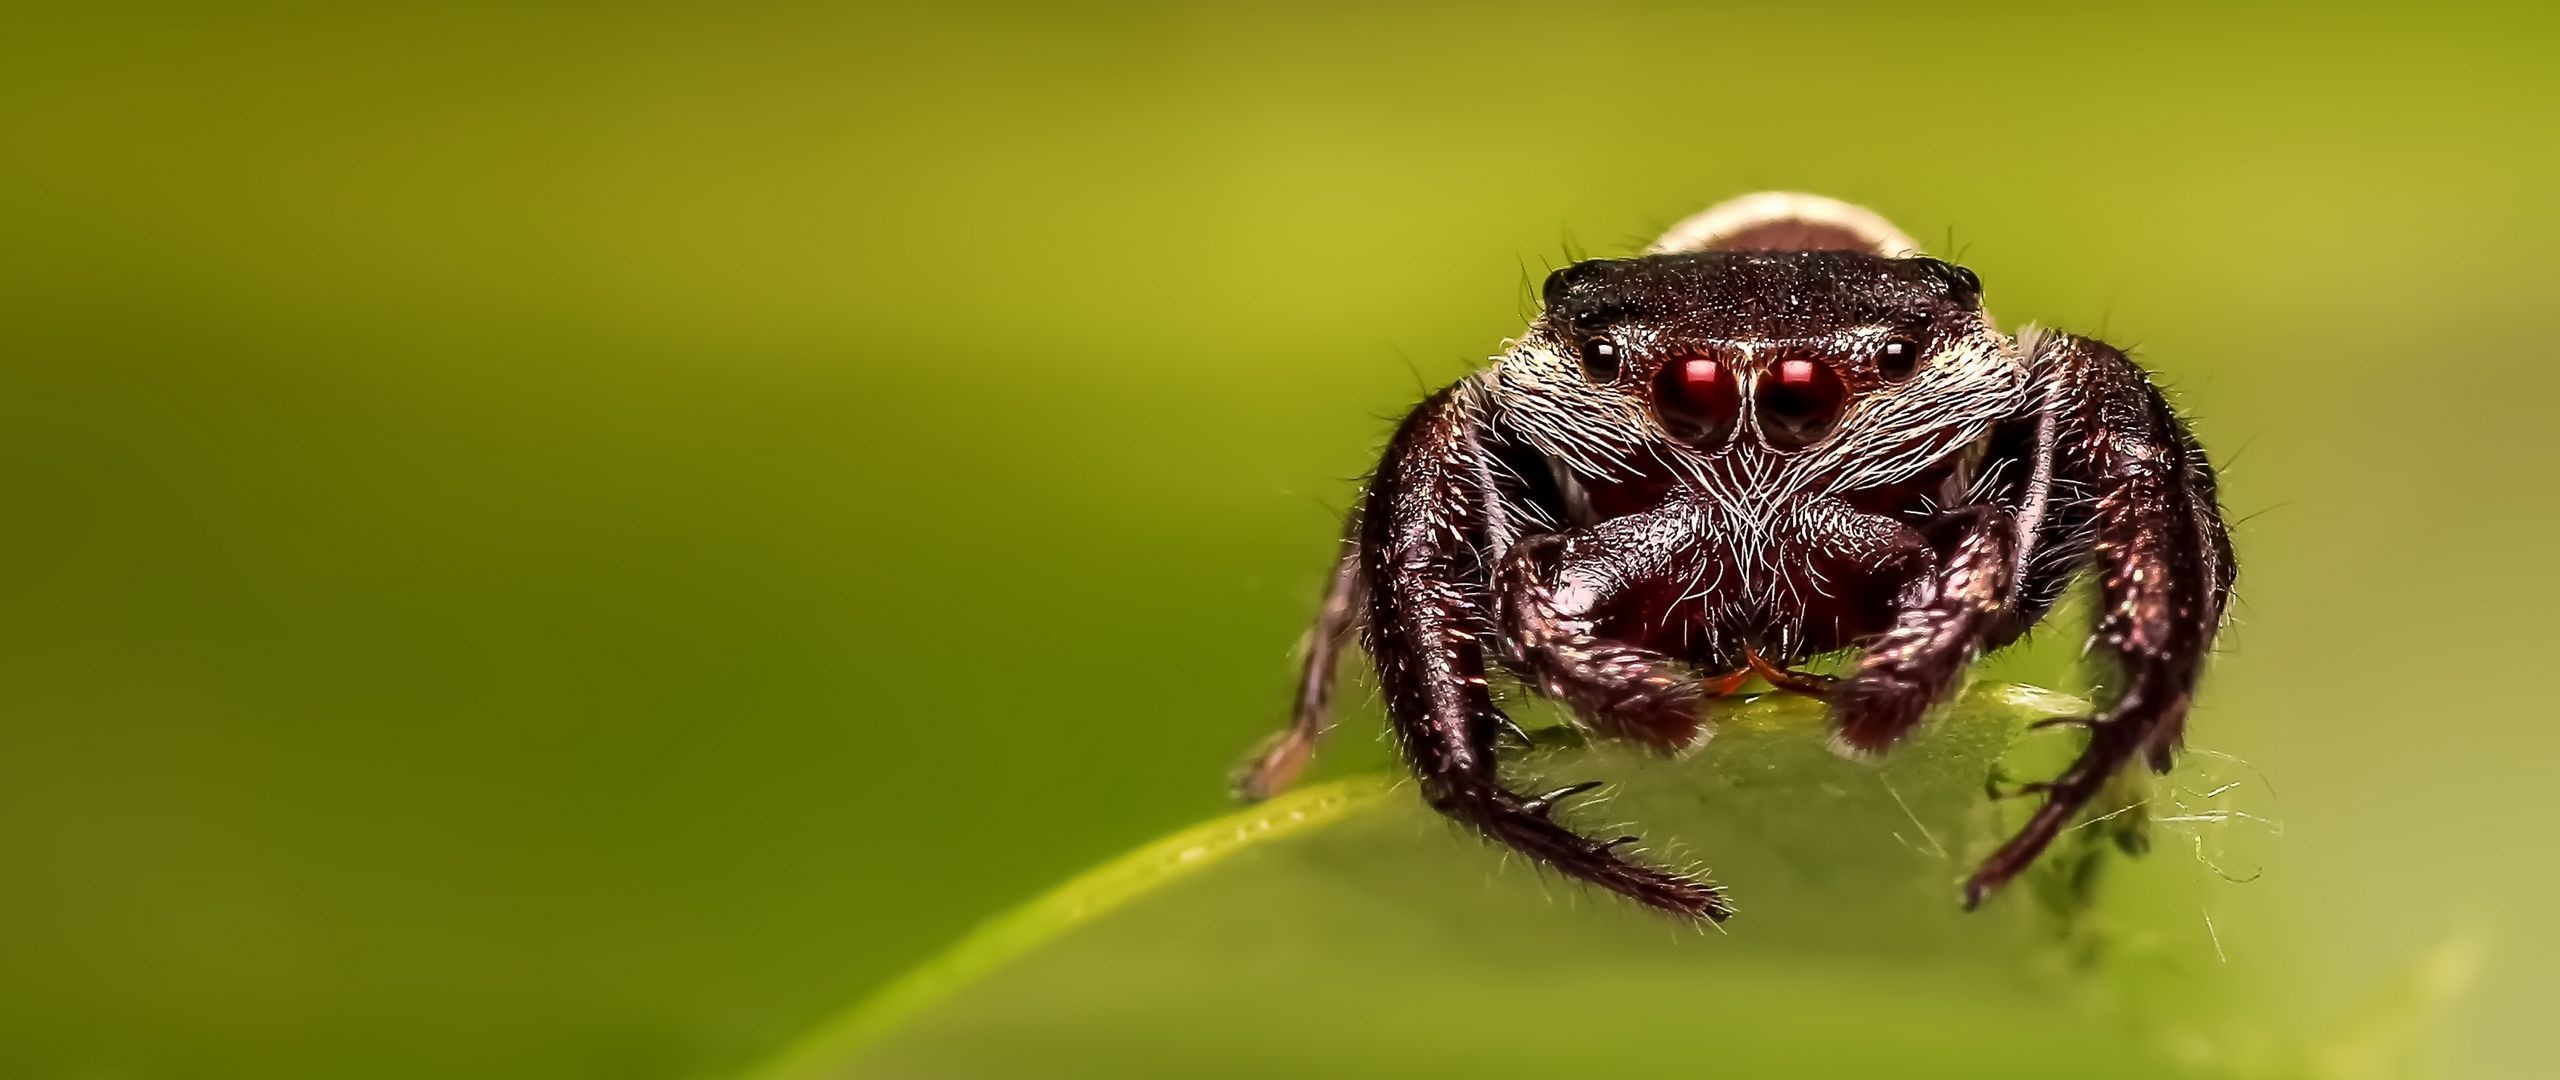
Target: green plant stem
1080	899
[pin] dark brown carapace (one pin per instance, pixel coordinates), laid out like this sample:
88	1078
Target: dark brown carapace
1779	433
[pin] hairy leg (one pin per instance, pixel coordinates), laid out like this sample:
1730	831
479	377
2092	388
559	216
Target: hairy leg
1932	640
1434	526
1275	765
1556	588
2163	560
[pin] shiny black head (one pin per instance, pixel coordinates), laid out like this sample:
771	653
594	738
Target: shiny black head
1780	345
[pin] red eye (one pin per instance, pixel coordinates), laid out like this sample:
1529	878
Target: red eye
1698	399
1797	402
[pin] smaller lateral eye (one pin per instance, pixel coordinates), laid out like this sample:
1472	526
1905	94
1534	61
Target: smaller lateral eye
1898	359
1599	359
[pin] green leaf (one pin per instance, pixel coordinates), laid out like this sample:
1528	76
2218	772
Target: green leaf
1344	925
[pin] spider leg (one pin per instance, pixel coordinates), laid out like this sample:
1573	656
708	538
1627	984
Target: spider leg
1275	764
1434	527
1555	588
2155	537
1912	666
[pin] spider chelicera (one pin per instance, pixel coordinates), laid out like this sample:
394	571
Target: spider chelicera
1778	433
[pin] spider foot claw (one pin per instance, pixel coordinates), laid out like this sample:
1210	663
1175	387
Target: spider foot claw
1544	803
1991	789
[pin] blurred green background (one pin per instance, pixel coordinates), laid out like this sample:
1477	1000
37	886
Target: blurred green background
574	540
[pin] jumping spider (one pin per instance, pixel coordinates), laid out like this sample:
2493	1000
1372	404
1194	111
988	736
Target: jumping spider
1778	433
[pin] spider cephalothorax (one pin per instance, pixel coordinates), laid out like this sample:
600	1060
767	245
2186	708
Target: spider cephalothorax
1782	432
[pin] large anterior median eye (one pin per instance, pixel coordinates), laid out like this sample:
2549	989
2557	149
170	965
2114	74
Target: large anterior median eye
1797	402
1698	399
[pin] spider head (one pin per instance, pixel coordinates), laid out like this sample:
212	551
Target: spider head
1842	362
1765	349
